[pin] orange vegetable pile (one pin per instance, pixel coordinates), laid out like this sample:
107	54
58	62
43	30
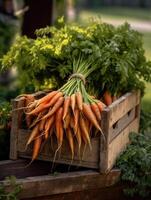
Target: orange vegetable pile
68	113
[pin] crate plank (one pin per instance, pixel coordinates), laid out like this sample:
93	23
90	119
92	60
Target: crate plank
121	106
64	183
16	122
117	146
121	124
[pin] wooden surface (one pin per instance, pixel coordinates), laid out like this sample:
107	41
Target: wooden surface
58	183
117	122
121	106
16	122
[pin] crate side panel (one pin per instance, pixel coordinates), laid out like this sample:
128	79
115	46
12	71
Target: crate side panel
86	158
121	124
120	143
122	106
16	123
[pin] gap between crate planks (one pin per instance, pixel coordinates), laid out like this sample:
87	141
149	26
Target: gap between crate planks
118	120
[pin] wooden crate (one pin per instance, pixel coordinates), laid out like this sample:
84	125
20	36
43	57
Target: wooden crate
118	120
37	182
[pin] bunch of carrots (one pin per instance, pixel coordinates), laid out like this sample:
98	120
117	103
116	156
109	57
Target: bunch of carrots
69	113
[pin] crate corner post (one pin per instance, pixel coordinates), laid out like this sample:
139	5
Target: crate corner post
16	123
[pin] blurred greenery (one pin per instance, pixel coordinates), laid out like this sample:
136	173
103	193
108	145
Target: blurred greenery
126	14
117	13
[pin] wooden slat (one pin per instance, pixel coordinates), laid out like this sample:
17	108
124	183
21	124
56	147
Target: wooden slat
64	183
118	145
16	122
121	106
121	124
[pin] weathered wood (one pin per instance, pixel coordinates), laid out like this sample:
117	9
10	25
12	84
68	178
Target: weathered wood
16	122
121	106
119	144
116	119
64	183
121	124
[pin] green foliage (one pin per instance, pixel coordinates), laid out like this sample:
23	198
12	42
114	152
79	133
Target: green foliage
14	191
145	122
5	109
117	52
7	31
135	164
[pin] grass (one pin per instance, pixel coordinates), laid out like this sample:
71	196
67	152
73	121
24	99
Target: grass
123	13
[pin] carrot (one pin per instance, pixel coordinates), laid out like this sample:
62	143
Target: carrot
66	106
46	105
55	99
70	140
76	119
90	115
33	134
78	136
47	97
107	98
36	148
73	102
59	126
42	125
66	121
48	125
96	111
55	107
72	122
79	100
84	131
101	105
38	109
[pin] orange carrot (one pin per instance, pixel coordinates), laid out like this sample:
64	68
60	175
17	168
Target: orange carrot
33	134
66	106
48	125
70	140
101	105
66	121
47	97
55	99
78	136
90	115
55	107
73	102
76	119
59	126
36	148
42	125
79	100
96	111
84	131
107	98
72	122
38	109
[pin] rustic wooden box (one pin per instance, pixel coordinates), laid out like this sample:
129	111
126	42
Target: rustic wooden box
118	120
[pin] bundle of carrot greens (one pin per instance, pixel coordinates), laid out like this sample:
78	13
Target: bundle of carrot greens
68	113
